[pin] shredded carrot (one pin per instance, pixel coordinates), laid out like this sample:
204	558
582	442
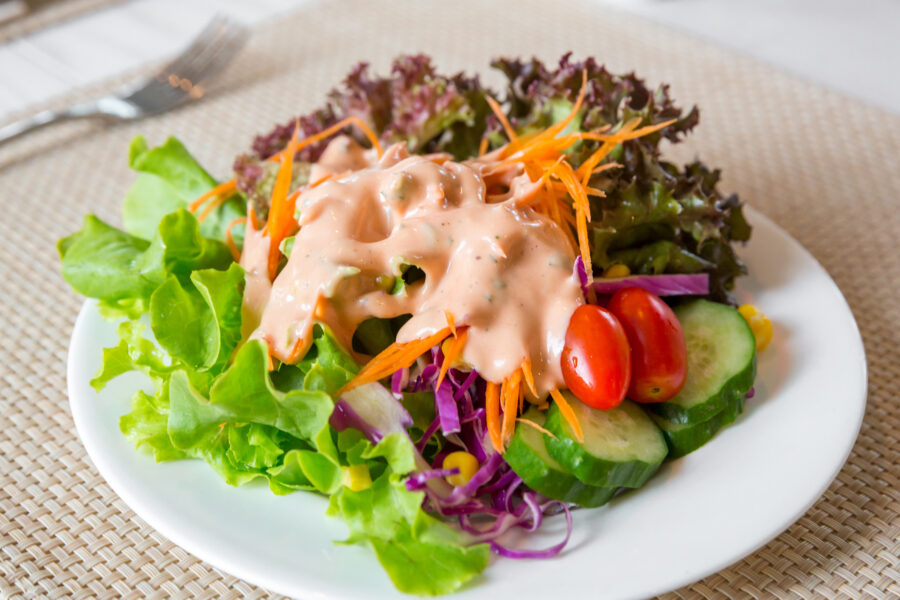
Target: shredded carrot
321	180
438	158
568	414
510	404
582	211
504	393
235	253
297	351
607	166
609	143
300	345
559	126
319	308
252	219
482	146
281	221
451	322
534	425
330	131
453	352
492	415
498	112
633	134
215	203
626	133
221	189
394	357
528	377
269	359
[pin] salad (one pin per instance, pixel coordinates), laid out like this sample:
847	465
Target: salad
453	316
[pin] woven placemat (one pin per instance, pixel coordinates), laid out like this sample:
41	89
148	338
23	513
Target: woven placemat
823	166
47	13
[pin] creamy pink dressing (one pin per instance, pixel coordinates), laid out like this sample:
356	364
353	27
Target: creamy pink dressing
498	267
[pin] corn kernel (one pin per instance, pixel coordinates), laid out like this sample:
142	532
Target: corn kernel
759	323
445	345
465	462
617	270
357	477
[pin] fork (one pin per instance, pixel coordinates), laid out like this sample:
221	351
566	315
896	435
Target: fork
177	82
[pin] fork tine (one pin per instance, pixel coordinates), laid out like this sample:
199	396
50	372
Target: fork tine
198	44
213	61
157	95
219	52
210	52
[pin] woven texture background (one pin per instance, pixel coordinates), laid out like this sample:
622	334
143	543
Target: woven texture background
823	166
45	13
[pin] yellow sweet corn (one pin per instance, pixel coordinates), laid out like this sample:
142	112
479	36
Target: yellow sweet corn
617	270
759	323
357	477
465	462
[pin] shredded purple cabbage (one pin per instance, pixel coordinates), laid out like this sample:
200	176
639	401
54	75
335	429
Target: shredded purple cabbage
445	406
495	500
581	275
399	380
696	284
432	429
371	409
416	482
547	552
344	417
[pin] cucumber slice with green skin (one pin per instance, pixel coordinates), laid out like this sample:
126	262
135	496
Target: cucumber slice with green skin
528	457
622	447
721	362
684	439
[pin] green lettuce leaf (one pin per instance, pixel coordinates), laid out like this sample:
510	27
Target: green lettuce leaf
247	429
199	321
103	262
254	446
244	394
184	324
100	261
169	178
246	390
420	554
134	352
328	368
660	257
635	218
146	426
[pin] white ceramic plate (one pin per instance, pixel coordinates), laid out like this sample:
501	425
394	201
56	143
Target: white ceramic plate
698	515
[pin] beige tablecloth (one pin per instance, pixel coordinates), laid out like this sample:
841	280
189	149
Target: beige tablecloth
823	166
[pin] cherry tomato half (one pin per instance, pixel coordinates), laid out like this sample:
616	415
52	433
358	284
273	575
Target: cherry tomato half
658	352
596	362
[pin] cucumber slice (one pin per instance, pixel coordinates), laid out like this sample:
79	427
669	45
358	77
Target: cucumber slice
684	439
528	457
721	357
622	447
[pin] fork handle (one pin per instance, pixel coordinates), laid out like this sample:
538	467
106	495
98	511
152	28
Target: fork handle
46	117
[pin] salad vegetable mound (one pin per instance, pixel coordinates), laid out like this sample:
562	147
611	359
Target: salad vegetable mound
454	312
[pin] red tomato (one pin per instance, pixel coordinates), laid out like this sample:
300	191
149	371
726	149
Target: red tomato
596	364
658	351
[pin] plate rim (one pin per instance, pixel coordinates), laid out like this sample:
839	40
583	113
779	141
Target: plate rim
233	567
